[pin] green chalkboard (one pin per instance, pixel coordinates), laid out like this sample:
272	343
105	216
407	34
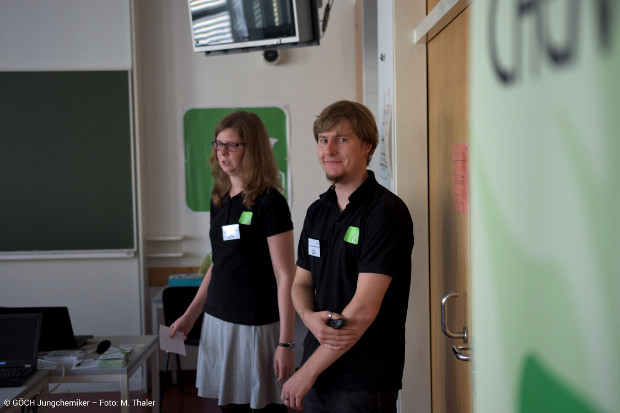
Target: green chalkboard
66	176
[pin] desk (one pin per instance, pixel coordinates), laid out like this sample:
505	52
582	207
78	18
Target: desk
120	375
33	386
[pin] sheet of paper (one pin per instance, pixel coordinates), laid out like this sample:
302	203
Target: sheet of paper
174	344
460	177
87	364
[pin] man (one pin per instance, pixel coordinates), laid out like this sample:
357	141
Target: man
354	263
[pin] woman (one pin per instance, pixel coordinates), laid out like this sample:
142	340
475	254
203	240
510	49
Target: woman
247	334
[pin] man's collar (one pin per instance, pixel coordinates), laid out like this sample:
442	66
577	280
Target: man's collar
359	193
364	188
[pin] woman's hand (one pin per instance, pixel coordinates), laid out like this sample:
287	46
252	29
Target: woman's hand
283	363
181	324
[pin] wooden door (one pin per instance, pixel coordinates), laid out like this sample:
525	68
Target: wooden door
449	218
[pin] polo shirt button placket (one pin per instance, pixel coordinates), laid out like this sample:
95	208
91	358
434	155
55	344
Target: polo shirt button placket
335	228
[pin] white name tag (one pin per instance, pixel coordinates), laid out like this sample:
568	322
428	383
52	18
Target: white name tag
314	247
231	232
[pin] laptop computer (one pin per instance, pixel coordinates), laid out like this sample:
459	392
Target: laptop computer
19	348
56	329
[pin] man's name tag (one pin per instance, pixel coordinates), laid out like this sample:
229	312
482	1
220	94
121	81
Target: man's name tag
314	247
231	232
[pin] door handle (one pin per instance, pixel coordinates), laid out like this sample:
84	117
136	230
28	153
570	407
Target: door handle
461	356
444	324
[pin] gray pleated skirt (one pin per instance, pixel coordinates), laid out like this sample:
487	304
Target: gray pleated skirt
235	363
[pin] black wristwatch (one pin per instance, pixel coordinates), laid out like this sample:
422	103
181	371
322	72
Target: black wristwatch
290	345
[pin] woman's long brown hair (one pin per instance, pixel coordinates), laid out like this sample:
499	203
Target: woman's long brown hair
259	171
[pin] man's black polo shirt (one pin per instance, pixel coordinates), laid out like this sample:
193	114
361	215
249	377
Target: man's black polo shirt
374	234
243	287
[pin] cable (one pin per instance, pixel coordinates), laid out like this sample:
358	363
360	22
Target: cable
328	8
62	376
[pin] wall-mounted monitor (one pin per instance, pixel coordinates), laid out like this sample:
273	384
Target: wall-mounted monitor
235	26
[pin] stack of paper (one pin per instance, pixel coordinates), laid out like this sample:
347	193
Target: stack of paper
67	358
116	356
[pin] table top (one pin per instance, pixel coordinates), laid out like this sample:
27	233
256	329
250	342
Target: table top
149	344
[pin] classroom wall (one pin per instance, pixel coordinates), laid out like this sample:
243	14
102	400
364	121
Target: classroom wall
65	35
171	79
174	79
91	35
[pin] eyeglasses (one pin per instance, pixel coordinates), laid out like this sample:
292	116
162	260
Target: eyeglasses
230	146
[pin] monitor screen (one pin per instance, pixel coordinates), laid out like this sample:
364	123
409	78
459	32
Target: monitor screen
245	25
20	342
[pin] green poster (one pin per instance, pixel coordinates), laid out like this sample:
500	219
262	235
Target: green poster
545	204
199	128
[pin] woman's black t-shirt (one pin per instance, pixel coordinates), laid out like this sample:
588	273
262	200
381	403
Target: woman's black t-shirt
243	288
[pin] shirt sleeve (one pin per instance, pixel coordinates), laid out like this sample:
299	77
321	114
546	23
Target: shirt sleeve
387	240
276	213
302	247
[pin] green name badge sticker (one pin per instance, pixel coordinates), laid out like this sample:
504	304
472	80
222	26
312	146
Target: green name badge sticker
245	218
353	235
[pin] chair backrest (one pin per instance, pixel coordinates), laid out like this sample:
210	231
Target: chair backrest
176	300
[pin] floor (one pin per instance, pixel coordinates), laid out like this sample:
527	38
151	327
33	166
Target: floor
174	401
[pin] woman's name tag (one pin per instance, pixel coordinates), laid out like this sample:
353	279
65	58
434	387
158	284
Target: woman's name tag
231	232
